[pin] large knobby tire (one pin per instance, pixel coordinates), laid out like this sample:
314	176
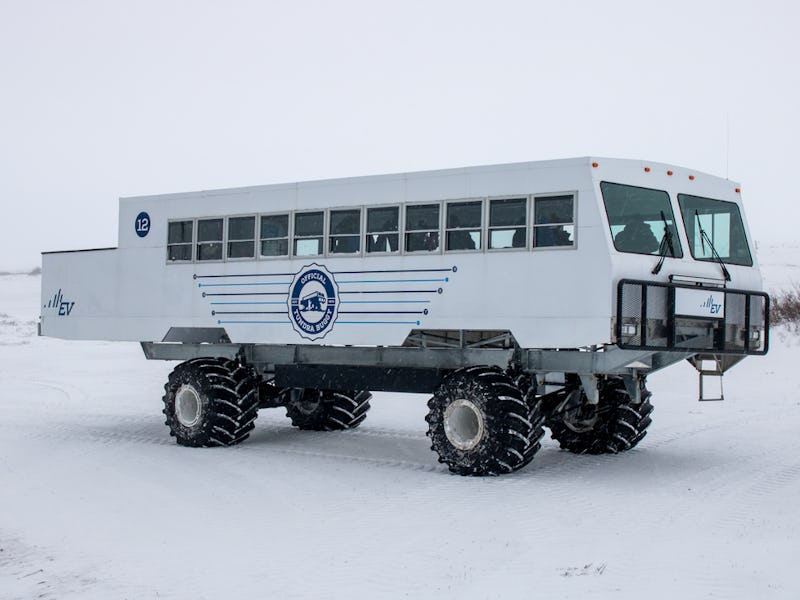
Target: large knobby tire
326	410
614	425
480	423
211	402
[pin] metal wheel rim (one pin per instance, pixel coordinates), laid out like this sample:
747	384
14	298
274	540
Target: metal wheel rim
574	420
308	402
187	406
464	424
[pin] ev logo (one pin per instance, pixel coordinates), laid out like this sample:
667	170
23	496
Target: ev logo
142	225
313	302
57	302
713	306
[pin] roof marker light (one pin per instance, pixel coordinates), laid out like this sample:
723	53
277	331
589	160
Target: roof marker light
595	165
691	177
669	173
647	169
738	190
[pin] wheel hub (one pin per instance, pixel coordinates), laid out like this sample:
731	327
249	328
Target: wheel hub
581	419
308	401
464	424
187	406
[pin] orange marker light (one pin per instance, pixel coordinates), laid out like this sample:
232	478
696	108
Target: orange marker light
691	177
595	165
647	169
738	190
669	173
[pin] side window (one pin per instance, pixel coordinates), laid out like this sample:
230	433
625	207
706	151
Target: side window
640	220
209	239
383	226
422	228
241	237
464	225
275	235
507	218
179	241
554	221
345	231
308	233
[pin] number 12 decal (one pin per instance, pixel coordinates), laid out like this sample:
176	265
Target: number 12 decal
142	224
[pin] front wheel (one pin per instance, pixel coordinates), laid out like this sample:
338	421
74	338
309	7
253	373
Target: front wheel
615	424
480	423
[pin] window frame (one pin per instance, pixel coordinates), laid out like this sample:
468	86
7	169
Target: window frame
481	229
329	236
399	232
324	235
670	202
289	236
532	219
190	243
222	242
690	240
228	240
405	229
526	225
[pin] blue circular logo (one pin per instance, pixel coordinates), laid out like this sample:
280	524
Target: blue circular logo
313	302
142	224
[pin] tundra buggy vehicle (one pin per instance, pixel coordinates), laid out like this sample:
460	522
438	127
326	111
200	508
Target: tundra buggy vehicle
519	296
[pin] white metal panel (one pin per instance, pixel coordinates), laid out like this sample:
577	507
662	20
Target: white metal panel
548	297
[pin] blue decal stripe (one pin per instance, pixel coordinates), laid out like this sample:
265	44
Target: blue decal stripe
393	281
252	322
245	275
247	293
387	292
448	270
250	312
381	312
383	302
377	322
230	303
202	285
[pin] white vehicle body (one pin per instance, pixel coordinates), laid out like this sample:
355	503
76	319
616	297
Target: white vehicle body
549	297
521	295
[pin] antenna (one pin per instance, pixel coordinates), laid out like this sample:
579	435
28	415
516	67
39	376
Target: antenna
727	142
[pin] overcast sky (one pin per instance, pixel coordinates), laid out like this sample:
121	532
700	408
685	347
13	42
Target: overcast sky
102	99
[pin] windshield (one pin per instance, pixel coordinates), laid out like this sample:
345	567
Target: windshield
638	218
722	224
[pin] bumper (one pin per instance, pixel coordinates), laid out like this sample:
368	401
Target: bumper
669	316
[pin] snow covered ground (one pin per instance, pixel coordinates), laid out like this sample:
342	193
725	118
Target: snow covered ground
96	500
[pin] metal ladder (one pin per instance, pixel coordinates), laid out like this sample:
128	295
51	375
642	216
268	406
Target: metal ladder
712	366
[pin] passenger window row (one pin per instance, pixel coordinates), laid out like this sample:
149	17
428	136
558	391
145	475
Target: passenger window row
472	225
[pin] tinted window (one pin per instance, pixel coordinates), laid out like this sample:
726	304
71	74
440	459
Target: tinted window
275	235
345	231
308	230
179	240
638	218
507	223
383	224
554	221
241	237
464	225
422	228
722	225
209	239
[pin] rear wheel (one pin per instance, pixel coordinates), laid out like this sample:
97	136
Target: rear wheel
326	410
480	423
211	402
613	425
